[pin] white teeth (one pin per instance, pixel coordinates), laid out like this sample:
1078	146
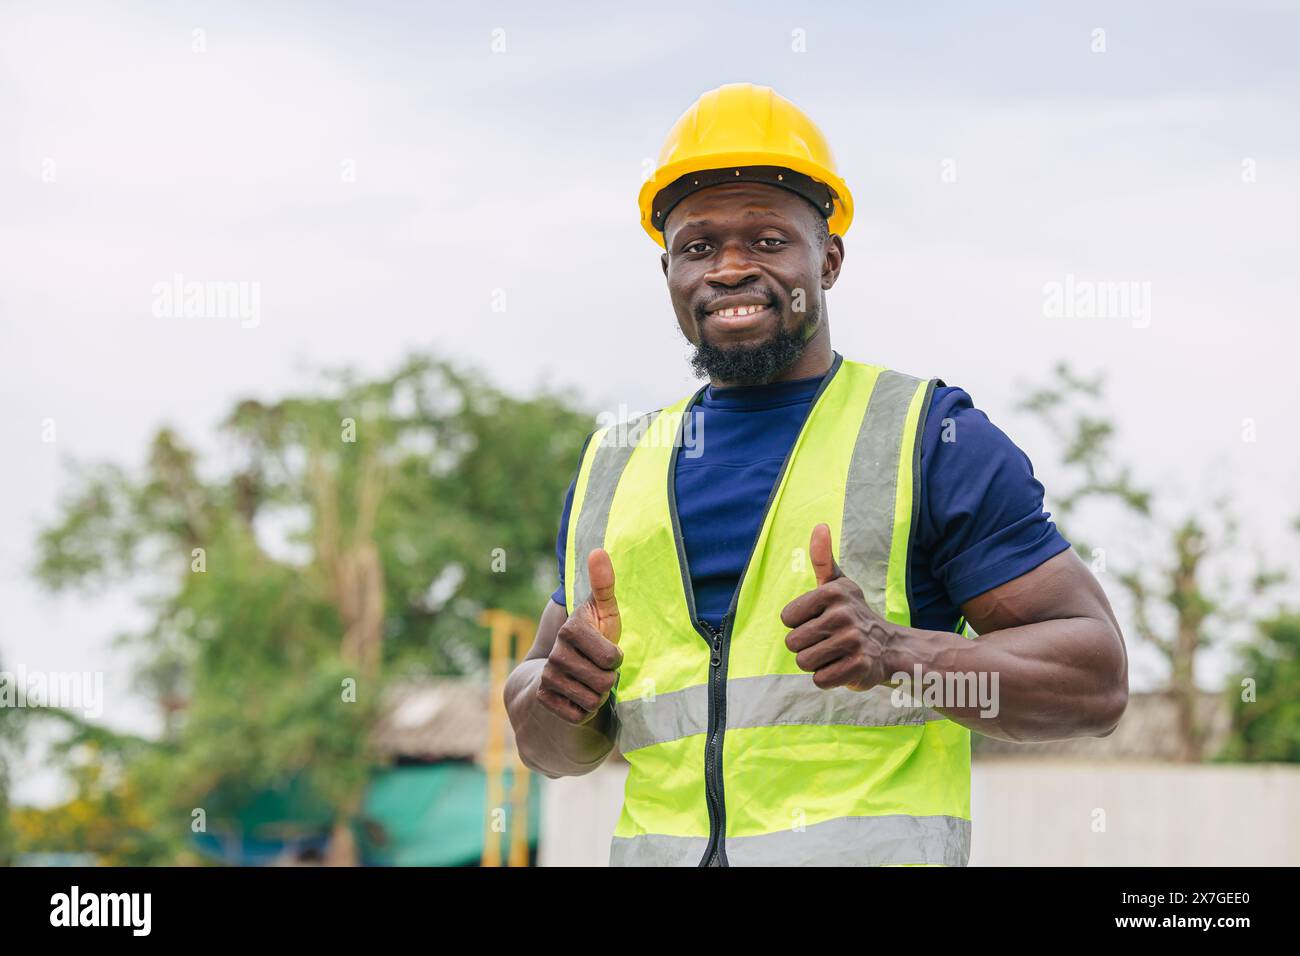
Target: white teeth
740	310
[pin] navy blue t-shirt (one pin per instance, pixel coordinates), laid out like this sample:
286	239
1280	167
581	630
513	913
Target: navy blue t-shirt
981	520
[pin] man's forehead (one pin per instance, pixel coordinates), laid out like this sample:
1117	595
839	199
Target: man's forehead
750	212
742	199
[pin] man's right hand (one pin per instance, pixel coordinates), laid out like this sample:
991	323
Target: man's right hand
583	664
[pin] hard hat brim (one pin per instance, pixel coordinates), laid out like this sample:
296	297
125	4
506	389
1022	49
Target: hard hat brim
837	222
820	196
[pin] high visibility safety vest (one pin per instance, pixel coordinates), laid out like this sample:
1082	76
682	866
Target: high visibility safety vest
736	757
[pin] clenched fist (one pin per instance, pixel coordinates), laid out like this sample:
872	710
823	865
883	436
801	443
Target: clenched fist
836	636
582	667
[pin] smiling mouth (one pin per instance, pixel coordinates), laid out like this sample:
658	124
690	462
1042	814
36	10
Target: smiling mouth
739	317
739	310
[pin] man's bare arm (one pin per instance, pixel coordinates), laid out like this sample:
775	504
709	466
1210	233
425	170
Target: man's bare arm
1051	638
1049	662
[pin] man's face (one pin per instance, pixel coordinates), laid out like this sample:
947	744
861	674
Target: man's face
746	270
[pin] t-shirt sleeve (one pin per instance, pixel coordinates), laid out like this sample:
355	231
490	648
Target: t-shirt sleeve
561	539
981	519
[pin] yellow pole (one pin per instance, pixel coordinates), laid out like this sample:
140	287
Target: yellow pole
493	757
523	633
511	636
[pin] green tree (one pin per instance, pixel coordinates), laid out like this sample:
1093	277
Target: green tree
105	817
1178	606
348	536
1266	700
11	738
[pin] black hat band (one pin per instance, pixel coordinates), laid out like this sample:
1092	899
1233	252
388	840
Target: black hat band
817	193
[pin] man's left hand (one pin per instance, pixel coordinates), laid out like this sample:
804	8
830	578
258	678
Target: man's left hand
835	635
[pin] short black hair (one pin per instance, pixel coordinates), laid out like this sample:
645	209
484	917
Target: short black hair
822	230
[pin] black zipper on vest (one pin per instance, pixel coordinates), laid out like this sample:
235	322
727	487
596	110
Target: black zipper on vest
719	645
715	854
719	639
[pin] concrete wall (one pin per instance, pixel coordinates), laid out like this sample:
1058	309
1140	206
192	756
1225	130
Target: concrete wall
578	817
1040	813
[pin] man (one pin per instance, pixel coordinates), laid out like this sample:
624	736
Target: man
778	705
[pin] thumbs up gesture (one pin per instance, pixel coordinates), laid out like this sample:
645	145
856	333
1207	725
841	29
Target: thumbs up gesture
582	667
834	633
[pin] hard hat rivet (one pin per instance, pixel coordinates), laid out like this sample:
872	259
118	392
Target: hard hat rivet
779	176
738	172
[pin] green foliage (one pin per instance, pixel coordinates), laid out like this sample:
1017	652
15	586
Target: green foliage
1069	407
473	480
108	817
1267	728
350	534
11	719
1175	606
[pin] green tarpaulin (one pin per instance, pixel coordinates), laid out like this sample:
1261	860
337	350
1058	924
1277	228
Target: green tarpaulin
417	815
435	815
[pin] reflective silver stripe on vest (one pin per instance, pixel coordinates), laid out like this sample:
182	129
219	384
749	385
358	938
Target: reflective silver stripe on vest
768	701
616	447
867	529
844	841
655	849
665	717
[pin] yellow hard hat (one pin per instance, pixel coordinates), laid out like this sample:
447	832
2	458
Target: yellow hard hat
744	133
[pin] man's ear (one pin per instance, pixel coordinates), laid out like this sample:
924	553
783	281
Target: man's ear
664	260
832	260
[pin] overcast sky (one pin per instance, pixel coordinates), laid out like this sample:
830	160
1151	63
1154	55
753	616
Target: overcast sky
379	171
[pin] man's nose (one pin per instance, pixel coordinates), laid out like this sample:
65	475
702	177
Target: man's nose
733	266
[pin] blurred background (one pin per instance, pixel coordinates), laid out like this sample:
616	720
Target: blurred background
306	310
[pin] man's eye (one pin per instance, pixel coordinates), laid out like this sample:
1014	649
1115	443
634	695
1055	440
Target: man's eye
696	246
774	240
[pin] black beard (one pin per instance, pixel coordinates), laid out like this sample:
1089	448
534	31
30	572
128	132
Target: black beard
749	364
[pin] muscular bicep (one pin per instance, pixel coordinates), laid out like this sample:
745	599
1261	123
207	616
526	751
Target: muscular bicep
548	626
1060	588
1051	636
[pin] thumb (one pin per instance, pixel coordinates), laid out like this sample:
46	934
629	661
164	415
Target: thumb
600	572
823	560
